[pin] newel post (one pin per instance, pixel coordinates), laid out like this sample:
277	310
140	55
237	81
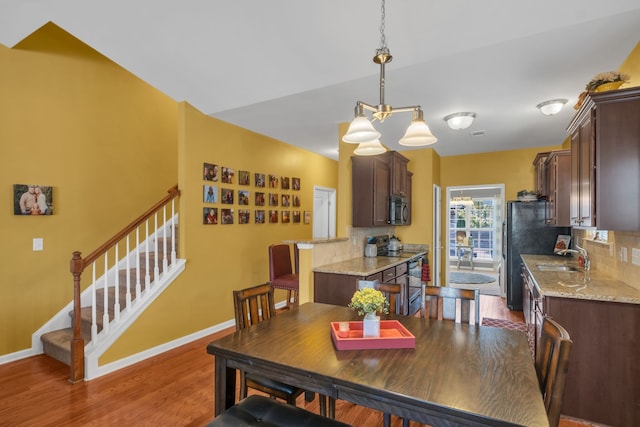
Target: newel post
77	343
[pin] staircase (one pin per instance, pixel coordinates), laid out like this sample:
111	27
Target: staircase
126	286
57	344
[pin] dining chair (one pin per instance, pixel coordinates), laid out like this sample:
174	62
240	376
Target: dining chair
552	364
447	297
281	274
252	306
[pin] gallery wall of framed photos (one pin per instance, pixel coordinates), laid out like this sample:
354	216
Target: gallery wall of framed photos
250	197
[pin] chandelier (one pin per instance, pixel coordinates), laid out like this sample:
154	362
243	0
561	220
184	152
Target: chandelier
361	130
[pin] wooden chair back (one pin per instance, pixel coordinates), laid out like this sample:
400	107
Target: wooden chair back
253	305
447	297
279	261
393	294
552	364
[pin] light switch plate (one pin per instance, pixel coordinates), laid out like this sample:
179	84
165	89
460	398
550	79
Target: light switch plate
38	244
635	256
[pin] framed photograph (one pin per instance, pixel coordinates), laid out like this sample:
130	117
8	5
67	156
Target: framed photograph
227	196
259	179
273	217
296	216
259	216
284	182
243	216
243	198
210	172
30	199
210	193
296	200
273	181
227	216
286	200
273	199
307	217
295	183
259	199
210	215
227	175
286	217
244	178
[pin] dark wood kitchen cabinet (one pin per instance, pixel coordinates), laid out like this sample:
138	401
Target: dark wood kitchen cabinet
373	180
605	161
539	164
558	183
602	383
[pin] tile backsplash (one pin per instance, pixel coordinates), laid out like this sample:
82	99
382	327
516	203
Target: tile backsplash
608	257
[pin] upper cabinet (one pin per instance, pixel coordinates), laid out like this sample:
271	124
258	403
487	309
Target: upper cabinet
605	161
374	179
539	164
557	172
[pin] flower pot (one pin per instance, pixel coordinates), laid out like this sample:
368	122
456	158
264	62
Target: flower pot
371	325
609	86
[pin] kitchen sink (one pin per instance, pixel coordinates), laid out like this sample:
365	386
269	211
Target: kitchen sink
556	267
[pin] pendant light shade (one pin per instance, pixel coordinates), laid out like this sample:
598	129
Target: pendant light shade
361	130
418	133
369	148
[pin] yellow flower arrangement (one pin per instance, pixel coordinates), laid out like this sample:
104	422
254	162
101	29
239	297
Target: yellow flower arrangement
602	78
369	300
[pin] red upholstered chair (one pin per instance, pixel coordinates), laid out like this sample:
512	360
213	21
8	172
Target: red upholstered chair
281	274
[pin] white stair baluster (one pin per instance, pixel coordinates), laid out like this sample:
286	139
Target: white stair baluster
116	288
105	315
94	302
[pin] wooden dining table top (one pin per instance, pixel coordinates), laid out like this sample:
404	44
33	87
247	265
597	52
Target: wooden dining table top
457	373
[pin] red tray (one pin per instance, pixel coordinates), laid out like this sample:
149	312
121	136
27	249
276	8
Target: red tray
392	335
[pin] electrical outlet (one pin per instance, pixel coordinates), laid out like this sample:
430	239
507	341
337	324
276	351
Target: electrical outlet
635	256
38	244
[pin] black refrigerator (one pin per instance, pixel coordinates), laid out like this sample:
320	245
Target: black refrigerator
525	232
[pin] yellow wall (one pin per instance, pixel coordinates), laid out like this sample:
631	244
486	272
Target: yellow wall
107	143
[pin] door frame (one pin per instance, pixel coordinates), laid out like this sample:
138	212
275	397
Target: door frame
328	216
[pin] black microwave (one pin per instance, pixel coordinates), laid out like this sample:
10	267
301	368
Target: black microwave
398	210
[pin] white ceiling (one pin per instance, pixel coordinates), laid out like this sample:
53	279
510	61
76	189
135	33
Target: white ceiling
293	69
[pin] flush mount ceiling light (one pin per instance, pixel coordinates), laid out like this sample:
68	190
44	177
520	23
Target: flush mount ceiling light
551	107
361	131
457	121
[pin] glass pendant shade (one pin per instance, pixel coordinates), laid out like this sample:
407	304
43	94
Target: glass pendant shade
369	148
418	134
361	130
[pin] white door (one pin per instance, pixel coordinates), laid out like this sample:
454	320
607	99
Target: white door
437	235
324	212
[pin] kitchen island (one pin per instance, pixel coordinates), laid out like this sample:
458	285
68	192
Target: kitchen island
602	316
335	283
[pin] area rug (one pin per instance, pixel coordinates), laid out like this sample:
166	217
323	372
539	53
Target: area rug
470	278
508	324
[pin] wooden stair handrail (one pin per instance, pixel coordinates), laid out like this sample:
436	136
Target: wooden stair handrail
77	266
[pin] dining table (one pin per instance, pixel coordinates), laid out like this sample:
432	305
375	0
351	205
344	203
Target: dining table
457	374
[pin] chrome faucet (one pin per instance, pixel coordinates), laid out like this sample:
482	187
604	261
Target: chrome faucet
586	262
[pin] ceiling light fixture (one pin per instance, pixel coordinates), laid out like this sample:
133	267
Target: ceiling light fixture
361	131
457	121
551	107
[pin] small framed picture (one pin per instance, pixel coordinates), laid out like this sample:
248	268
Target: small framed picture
243	216
259	179
210	193
210	172
273	181
210	215
307	217
273	217
259	216
295	184
286	217
243	197
227	175
227	216
284	182
296	200
244	178
273	199
227	196
296	216
286	200
259	199
30	199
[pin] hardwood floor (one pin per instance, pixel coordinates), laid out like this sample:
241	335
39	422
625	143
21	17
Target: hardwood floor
173	389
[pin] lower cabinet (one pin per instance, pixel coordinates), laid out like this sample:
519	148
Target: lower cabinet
603	381
337	289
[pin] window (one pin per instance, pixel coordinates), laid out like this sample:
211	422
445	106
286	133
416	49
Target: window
478	222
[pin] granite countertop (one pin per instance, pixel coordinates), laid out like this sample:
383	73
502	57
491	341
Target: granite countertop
366	266
577	284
